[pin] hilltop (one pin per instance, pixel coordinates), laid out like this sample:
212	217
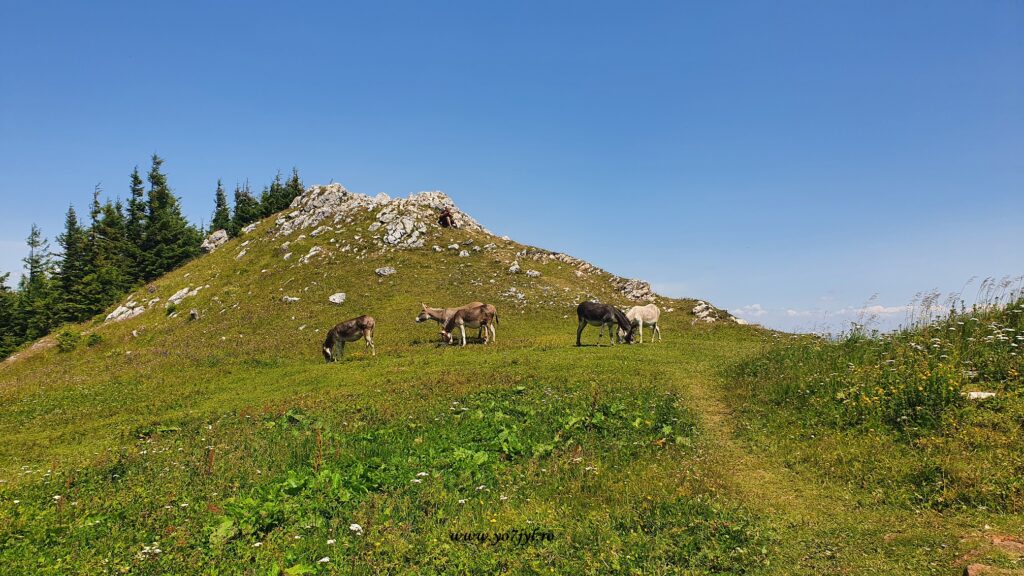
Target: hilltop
334	241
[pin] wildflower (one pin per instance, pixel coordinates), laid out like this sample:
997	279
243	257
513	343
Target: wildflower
480	487
257	545
422	474
356	528
462	501
416	480
324	560
330	542
503	497
17	501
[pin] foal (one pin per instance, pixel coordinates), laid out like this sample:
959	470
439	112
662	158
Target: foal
349	331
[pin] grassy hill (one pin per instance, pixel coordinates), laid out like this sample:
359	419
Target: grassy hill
224	445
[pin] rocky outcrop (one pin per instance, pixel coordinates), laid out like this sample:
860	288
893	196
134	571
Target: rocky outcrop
309	255
337	298
177	297
318	204
399	223
385	271
704	312
214	241
127	310
636	290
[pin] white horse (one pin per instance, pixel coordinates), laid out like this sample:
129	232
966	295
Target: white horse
640	316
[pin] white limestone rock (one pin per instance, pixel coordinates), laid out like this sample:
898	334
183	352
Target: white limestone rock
214	241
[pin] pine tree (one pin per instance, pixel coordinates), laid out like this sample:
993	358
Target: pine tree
293	188
168	239
279	194
35	290
71	299
9	333
273	197
247	209
135	225
111	253
221	214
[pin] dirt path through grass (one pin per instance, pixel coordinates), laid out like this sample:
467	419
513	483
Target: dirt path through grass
819	528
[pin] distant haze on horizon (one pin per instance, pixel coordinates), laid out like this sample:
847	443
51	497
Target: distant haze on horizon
801	164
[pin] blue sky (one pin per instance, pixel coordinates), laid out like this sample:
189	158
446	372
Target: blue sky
786	159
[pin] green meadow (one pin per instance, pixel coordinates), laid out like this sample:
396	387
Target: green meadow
225	445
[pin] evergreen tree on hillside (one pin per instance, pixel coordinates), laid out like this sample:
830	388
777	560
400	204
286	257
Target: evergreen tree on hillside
168	239
111	255
35	312
247	209
9	333
273	197
279	194
293	188
135	224
221	214
72	295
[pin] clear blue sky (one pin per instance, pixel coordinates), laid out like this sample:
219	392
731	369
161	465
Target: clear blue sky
798	156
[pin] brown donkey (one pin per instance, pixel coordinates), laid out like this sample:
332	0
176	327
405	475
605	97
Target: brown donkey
349	331
441	315
484	316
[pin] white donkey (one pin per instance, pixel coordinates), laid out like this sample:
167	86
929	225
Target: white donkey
641	316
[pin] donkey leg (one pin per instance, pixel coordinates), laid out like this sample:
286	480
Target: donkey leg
579	330
341	349
611	338
494	333
641	327
368	336
462	327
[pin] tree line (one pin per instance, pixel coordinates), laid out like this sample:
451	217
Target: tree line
121	246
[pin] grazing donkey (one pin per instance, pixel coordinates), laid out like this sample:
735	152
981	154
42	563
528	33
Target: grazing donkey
484	316
640	316
441	315
349	331
603	315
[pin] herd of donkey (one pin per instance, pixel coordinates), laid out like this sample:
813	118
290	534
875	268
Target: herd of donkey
485	317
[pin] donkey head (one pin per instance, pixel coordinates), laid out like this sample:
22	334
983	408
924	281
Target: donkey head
446	336
423	315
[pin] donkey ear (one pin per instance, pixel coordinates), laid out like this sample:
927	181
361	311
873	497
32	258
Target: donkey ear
424	306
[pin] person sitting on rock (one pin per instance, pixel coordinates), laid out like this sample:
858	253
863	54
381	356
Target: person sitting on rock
446	220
